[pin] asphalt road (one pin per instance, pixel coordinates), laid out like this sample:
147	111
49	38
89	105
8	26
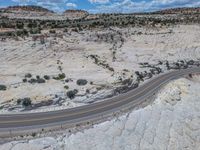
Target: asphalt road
20	123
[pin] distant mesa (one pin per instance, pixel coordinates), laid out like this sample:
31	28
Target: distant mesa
185	10
27	8
76	12
38	12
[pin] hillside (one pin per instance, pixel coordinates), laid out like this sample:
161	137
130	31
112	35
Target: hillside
75	14
27	12
180	11
26	8
37	12
75	11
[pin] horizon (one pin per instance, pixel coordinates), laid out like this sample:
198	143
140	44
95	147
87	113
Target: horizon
104	6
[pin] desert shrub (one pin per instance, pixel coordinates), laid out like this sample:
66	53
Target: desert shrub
25	32
66	87
19	101
88	91
191	62
37	77
20	25
28	75
72	94
19	33
32	80
111	69
60	76
24	101
32	25
65	30
127	82
46	77
60	68
67	80
35	31
40	80
81	82
52	31
24	80
3	88
33	134
42	40
75	29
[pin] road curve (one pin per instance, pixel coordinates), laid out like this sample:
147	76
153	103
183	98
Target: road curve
16	124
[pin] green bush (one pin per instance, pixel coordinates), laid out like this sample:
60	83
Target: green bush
28	75
35	31
20	25
19	101
81	82
40	80
52	31
33	134
72	94
3	88
25	102
24	80
37	77
67	80
46	77
66	87
32	81
60	76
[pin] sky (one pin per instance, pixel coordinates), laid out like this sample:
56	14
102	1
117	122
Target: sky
105	6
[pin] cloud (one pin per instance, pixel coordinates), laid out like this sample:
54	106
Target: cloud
21	1
99	1
72	5
128	6
110	6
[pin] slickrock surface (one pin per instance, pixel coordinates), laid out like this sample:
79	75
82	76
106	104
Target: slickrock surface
170	122
118	53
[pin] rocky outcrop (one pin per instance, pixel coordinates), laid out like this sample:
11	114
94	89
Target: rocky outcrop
26	8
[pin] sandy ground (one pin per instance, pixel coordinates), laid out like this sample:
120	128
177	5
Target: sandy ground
170	122
120	49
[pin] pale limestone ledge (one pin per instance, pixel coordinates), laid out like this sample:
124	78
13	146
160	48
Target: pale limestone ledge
171	122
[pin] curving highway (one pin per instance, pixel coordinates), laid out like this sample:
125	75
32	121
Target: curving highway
17	124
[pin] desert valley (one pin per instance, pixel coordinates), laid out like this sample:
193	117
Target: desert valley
53	61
